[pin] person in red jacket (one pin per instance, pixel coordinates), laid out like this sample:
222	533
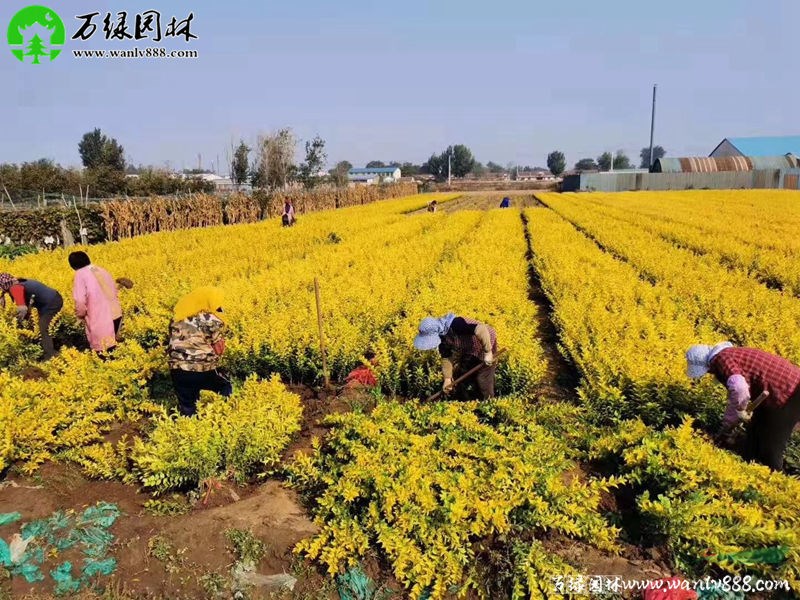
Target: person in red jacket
27	294
747	372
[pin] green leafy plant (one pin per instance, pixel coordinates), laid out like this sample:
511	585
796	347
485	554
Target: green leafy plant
247	547
168	507
213	584
424	483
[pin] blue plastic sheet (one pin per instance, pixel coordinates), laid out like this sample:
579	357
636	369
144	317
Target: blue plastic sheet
719	594
6	518
93	568
5	554
62	575
355	584
86	532
32	573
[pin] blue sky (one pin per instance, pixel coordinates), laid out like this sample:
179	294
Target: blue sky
512	79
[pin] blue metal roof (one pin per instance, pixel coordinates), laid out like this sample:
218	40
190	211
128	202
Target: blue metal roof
375	170
767	146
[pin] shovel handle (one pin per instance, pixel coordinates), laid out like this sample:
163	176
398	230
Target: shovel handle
466	375
757	402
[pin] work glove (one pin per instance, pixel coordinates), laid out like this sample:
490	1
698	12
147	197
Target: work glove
22	314
447	387
726	436
744	415
488	358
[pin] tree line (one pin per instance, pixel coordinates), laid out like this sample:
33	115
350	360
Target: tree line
557	162
269	165
103	175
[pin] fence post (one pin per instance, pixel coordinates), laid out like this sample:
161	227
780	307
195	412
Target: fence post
321	335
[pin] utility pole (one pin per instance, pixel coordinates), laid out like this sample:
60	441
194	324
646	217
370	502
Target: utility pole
653	125
449	155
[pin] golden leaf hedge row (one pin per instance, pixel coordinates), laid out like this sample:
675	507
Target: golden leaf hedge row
456	498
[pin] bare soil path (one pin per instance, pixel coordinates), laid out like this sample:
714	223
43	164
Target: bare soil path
183	556
484	201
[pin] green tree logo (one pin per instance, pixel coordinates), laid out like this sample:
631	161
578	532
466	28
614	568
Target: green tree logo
36	34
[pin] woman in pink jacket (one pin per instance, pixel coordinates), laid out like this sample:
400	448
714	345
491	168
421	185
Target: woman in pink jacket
96	302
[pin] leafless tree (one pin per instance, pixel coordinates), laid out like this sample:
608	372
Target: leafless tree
277	152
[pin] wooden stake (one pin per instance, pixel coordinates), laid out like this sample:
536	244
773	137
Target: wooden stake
8	196
84	240
321	336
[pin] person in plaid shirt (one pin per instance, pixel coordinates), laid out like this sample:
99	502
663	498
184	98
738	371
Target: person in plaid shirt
747	372
463	344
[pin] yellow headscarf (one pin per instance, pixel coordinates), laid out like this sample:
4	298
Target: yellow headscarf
204	299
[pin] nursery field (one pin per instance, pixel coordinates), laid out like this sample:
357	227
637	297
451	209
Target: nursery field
595	461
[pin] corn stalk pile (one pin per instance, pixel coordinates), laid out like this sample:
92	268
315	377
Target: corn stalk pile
129	218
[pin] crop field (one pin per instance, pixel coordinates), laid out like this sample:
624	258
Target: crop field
595	459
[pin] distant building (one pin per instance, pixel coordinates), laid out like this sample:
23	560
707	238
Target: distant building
758	146
222	184
535	175
365	179
715	164
382	174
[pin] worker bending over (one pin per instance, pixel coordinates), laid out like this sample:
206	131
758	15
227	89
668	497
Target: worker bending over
463	344
96	302
196	343
747	372
27	293
288	217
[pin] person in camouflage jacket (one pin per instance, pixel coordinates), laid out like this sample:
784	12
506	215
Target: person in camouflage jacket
196	344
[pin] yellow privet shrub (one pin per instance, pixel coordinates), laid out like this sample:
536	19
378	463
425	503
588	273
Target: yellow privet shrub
707	501
16	345
235	437
74	406
743	310
424	483
365	281
626	337
255	262
103	461
485	278
540	575
757	239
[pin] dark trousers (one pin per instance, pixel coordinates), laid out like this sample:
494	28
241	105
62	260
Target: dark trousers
480	385
109	352
189	383
769	432
45	318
